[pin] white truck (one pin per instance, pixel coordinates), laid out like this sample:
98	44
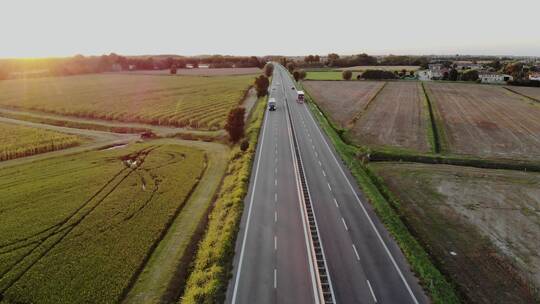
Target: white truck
300	96
271	104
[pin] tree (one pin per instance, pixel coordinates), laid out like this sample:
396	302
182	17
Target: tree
347	75
378	74
309	59
496	65
332	58
445	76
261	85
303	74
471	75
296	75
268	69
291	66
235	124
173	69
453	75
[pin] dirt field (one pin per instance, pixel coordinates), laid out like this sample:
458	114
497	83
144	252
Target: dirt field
397	117
202	72
342	100
528	91
486	121
482	226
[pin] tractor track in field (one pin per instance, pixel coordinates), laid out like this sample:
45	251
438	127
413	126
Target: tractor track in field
64	231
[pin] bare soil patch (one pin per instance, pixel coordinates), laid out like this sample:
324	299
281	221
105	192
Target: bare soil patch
342	100
486	121
481	226
397	117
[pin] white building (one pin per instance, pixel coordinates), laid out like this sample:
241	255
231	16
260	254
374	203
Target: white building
534	76
437	71
423	75
492	77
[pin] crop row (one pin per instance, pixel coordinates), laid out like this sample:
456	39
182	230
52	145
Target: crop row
19	141
184	101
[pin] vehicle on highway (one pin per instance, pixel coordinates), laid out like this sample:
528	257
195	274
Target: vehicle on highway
272	104
300	96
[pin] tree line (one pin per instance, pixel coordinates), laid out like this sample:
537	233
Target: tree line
79	64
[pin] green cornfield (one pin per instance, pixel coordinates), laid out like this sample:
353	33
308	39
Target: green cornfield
19	141
80	228
183	101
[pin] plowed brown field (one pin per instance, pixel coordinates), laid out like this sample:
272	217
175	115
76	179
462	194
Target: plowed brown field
342	100
397	117
481	225
486	121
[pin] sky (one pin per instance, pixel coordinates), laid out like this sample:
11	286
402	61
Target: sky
55	28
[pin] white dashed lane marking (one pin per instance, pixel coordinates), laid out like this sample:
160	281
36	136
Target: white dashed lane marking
356	252
372	293
345	224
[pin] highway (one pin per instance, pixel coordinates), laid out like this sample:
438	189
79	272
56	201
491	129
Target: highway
276	259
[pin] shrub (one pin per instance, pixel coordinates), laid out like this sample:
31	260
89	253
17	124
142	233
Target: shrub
244	145
347	75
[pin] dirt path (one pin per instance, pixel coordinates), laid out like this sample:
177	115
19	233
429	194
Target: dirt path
162	276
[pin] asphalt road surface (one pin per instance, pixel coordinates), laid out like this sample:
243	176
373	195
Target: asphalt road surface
274	262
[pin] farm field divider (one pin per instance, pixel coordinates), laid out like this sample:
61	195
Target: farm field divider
364	110
434	131
521	94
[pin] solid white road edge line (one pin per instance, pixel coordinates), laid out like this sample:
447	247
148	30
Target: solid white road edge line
235	291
